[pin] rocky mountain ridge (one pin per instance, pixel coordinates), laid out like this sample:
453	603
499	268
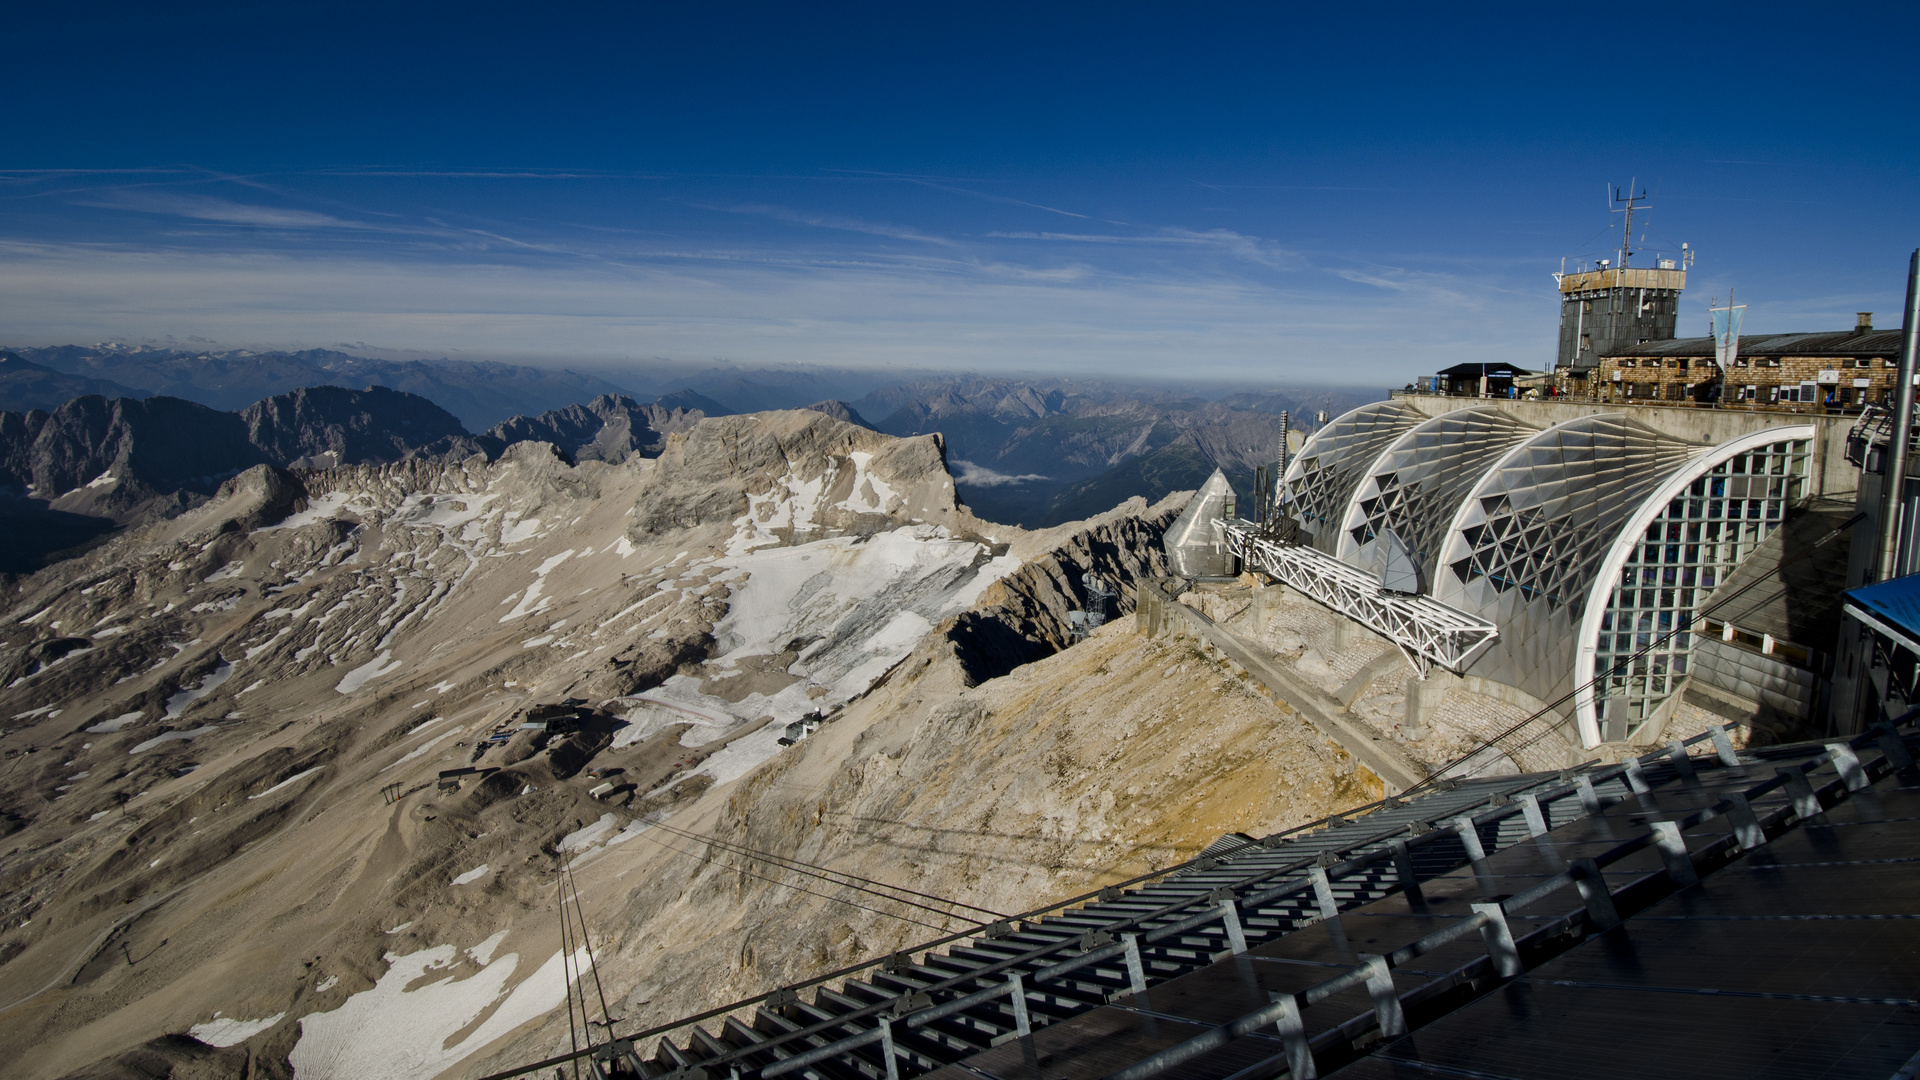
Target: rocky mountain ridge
225	730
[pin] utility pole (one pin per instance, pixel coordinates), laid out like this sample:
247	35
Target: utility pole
1895	477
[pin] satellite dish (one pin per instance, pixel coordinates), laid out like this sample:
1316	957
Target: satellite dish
1399	571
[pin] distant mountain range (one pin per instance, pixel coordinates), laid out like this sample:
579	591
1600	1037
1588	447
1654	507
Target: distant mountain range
1039	452
96	437
480	393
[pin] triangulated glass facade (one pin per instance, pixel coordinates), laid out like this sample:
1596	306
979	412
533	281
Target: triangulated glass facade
1685	553
1582	541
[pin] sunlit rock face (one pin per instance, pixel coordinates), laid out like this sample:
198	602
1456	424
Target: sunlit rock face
225	734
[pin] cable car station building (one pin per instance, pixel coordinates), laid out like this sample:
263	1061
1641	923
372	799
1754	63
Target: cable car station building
1575	535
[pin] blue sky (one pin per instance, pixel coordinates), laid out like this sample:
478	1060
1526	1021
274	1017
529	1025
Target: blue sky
1273	193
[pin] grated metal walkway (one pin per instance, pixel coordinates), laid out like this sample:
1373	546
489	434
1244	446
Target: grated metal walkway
1101	988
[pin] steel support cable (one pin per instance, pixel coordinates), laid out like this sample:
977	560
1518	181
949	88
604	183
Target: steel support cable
950	937
580	913
802	864
815	870
1685	624
796	888
566	975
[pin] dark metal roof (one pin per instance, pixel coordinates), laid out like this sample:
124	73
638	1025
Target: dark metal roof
1475	370
1844	343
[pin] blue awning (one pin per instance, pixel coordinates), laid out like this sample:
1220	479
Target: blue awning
1891	607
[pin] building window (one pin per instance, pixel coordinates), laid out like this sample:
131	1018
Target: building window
1769	361
1676	392
1740	361
1749	393
1688	550
1629	363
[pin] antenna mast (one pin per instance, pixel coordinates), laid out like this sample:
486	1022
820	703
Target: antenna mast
1631	200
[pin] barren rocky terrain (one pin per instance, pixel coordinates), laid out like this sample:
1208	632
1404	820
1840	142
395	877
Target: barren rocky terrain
230	848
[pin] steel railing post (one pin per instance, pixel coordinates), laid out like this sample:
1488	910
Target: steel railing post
1806	804
1673	853
1637	777
1594	893
886	1048
1017	989
1323	892
1230	921
1847	764
1499	940
1589	798
1536	818
1724	747
1293	1035
1403	868
1746	826
1677	752
1136	971
1470	837
1386	999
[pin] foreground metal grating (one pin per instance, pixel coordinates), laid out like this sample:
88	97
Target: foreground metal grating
1753	920
1009	986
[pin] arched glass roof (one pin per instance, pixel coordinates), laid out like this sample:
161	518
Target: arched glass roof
1415	487
1527	542
1321	480
1537	531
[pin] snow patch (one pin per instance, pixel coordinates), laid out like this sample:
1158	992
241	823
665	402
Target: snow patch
392	1033
208	683
320	509
372	669
421	749
108	727
582	839
526	606
294	779
173	736
473	875
221	1031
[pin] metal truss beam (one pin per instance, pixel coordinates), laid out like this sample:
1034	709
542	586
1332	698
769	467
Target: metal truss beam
1426	631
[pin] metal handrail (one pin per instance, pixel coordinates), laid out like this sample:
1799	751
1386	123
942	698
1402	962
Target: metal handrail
1583	873
995	930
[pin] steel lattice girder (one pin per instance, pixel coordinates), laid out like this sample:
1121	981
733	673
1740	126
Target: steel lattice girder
1425	630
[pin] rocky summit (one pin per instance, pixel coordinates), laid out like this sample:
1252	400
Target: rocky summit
290	775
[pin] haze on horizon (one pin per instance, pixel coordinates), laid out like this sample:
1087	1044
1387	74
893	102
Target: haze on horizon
1239	191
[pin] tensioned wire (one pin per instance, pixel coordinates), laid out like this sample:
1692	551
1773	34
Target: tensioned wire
824	896
866	885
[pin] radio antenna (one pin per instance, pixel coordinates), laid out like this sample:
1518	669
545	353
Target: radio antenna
1625	203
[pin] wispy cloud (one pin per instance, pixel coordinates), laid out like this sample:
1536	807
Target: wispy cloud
749	306
981	476
213	208
835	221
1226	241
